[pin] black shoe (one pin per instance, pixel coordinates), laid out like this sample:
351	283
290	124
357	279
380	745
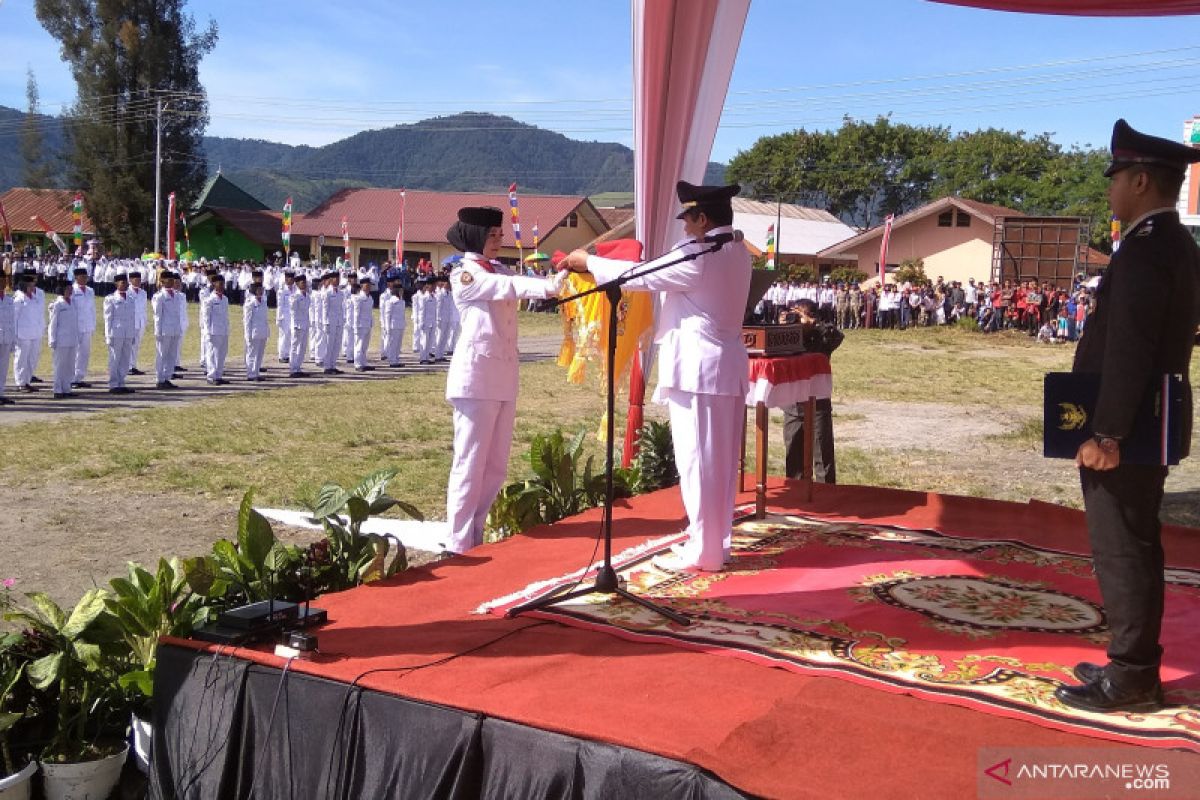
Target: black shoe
165	385
81	385
329	371
28	389
283	361
35	379
364	369
1087	673
301	374
61	395
135	371
71	394
181	369
1103	696
4	401
221	381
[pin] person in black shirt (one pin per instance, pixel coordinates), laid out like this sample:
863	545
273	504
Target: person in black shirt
819	337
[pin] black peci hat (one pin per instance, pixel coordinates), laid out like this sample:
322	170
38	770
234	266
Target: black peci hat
702	198
79	271
486	216
1130	147
120	276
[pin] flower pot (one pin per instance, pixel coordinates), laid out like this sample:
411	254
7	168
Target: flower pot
142	736
84	780
16	786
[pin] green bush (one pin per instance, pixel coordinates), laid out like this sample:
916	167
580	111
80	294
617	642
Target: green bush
847	275
912	271
655	461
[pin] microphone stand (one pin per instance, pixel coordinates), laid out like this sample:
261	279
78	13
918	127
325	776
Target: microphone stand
606	578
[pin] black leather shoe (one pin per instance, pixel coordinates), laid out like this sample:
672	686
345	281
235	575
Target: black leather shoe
1104	696
35	379
135	371
1087	673
60	395
81	385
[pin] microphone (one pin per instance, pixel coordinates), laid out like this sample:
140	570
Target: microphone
723	239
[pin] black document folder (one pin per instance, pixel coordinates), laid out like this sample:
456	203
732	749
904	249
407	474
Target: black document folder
1070	400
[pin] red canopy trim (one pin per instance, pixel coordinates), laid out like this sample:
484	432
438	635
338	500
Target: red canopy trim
1094	8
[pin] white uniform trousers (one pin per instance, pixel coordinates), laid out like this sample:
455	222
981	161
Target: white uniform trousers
120	351
428	342
24	360
6	351
482	442
166	357
443	340
347	342
203	350
296	354
218	347
333	338
83	354
64	368
284	348
316	345
393	340
137	346
417	347
37	356
362	340
255	350
707	432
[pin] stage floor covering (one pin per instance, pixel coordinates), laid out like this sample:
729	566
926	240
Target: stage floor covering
764	731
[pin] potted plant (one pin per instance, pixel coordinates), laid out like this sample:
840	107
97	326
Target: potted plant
146	607
16	768
77	680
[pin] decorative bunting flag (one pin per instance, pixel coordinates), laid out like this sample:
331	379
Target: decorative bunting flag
771	247
187	239
5	226
346	237
287	226
516	220
883	248
51	233
535	235
1115	231
400	233
172	249
77	219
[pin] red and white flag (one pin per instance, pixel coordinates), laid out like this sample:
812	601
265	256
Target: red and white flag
171	250
883	247
400	232
346	238
54	237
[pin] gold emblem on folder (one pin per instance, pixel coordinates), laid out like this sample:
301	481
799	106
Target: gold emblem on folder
1071	417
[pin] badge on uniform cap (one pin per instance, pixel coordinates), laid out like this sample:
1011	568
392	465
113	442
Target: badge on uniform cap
466	278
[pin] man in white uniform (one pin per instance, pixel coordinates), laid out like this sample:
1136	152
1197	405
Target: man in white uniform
283	316
361	311
299	299
215	314
63	332
481	383
8	334
256	330
83	300
29	330
392	322
333	309
170	309
119	328
140	304
444	306
702	364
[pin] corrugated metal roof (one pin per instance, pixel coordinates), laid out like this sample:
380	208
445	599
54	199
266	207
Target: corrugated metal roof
375	214
52	205
985	211
784	210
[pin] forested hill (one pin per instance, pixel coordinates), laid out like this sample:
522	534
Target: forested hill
464	152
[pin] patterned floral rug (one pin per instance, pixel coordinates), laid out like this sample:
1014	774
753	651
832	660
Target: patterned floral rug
990	625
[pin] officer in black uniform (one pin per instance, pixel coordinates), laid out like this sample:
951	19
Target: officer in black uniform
819	337
1147	309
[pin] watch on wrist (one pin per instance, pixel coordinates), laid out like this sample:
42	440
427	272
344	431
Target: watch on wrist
1107	444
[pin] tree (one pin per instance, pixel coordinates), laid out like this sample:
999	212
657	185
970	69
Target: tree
1074	185
36	171
126	57
993	166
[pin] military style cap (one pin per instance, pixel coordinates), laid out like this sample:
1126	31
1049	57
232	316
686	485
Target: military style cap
135	274
701	198
485	216
79	271
1130	147
120	276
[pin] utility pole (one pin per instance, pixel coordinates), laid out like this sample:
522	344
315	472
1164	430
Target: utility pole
158	109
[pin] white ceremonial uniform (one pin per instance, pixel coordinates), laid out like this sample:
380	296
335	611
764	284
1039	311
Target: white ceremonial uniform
118	334
184	324
63	332
362	309
8	335
170	309
316	326
428	326
444	306
334	310
418	311
703	379
392	323
39	305
140	302
29	336
83	300
216	322
347	324
205	291
283	320
299	302
481	384
256	329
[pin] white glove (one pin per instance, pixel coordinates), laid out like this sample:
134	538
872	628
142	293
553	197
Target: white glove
556	283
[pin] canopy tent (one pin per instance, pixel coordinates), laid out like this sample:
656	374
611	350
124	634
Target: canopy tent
1091	8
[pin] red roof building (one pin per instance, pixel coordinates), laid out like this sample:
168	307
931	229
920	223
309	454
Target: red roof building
22	206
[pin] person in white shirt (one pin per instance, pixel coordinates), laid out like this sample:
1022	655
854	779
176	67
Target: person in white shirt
419	301
8	334
256	330
119	329
333	311
170	311
63	333
283	317
362	320
299	301
215	316
29	329
140	304
347	290
444	307
392	322
428	321
83	300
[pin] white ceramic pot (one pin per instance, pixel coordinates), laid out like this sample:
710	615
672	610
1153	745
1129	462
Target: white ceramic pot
85	780
16	786
142	736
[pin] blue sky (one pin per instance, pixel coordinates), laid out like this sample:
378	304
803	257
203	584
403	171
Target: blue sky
309	73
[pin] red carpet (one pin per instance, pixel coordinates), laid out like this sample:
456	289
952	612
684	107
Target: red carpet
986	624
770	732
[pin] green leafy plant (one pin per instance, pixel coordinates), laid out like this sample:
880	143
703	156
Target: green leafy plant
847	275
148	606
84	655
655	461
912	271
12	711
349	556
257	567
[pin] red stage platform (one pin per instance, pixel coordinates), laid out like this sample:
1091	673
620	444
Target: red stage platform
765	731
